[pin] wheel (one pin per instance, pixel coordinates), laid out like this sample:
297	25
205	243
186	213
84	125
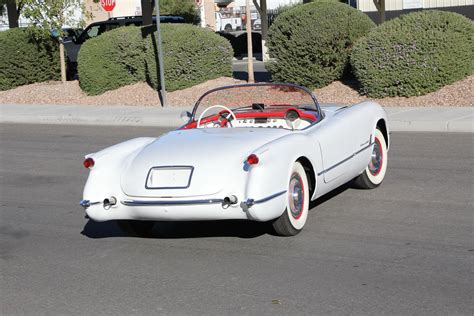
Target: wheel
136	228
374	173
293	219
228	28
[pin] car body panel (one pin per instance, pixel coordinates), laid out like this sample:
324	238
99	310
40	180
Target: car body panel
334	150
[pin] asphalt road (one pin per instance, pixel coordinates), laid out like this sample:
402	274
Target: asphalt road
239	69
404	248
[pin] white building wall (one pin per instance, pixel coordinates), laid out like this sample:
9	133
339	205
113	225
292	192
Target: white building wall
394	5
271	4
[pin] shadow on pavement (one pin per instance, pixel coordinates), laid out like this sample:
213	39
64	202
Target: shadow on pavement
200	229
189	229
259	76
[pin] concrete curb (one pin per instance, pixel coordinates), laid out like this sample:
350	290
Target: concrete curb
419	119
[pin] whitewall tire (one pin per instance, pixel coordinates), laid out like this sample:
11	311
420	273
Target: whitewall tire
374	173
293	219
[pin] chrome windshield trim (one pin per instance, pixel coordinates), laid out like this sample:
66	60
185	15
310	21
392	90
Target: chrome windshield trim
172	202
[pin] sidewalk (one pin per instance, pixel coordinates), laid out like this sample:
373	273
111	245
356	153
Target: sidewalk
420	119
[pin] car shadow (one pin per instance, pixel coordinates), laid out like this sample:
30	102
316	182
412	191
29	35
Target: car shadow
200	229
323	199
184	229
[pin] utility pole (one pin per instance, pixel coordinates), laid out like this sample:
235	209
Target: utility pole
249	43
164	99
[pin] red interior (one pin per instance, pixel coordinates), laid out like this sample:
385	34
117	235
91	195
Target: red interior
268	112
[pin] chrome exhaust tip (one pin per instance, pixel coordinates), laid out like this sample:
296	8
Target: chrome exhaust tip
109	202
230	200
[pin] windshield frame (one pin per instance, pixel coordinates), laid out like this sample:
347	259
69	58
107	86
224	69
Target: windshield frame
291	85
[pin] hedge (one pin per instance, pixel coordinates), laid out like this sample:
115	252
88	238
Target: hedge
311	43
127	55
414	54
26	60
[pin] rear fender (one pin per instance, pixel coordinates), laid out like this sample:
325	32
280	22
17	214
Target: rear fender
272	173
104	177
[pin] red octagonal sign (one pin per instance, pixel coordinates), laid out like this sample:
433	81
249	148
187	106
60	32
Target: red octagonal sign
108	5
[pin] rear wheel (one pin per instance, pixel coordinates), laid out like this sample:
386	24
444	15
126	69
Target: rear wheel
293	219
136	228
374	173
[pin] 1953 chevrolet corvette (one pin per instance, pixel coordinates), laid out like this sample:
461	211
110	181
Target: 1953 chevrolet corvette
258	151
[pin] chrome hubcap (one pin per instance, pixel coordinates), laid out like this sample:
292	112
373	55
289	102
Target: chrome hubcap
296	196
375	163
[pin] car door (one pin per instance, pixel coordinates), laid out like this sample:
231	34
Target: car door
340	137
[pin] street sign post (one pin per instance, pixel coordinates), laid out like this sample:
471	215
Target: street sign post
107	5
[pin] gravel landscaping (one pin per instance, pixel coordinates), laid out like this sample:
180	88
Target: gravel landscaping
460	93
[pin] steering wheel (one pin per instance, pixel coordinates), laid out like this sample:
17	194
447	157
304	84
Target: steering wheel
212	107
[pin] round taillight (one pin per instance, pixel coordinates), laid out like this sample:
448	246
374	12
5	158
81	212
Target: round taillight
88	163
252	159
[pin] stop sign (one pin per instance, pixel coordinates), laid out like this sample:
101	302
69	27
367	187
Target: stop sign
107	5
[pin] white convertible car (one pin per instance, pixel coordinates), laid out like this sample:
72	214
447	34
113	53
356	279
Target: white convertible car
259	152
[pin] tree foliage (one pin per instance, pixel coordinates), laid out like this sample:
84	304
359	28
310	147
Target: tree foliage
52	15
185	8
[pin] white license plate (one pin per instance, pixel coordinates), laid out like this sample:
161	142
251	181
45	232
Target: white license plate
176	177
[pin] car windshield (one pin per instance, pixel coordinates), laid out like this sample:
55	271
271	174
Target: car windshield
262	105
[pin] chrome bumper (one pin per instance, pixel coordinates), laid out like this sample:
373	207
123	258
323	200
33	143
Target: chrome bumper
247	203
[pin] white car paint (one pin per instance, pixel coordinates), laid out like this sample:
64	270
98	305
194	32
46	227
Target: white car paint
338	148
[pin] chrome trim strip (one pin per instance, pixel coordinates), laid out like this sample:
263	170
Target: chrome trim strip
86	203
251	202
173	202
346	159
270	197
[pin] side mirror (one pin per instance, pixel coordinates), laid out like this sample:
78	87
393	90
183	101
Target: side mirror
186	116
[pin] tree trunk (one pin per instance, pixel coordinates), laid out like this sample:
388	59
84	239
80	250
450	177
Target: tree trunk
380	5
249	43
13	14
147	11
62	61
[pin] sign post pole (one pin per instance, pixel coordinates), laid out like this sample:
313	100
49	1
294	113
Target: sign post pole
164	100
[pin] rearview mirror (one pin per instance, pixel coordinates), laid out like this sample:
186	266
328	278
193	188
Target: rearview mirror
185	116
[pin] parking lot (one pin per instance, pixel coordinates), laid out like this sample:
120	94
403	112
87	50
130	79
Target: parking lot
404	248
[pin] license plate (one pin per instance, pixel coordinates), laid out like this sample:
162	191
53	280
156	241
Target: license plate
176	177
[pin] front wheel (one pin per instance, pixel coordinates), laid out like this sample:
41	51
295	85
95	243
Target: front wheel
136	228
374	173
293	219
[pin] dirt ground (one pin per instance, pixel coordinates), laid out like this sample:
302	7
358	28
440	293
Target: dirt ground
460	93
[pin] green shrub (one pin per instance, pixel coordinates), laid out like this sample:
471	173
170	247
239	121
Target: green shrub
127	55
311	43
111	60
26	60
192	55
415	54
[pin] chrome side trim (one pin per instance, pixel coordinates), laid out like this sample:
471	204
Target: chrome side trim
173	202
251	202
346	159
86	203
